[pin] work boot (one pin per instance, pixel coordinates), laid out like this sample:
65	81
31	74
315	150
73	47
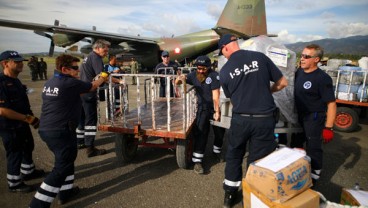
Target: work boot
229	199
93	151
67	197
37	173
81	146
198	168
218	157
21	188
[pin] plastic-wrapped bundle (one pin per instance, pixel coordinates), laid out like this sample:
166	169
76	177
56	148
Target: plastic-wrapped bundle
363	62
285	59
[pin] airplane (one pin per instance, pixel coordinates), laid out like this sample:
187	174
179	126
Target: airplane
242	18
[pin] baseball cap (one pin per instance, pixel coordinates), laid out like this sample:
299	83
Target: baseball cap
224	40
13	55
165	53
203	61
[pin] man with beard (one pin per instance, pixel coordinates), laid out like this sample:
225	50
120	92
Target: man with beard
207	86
15	117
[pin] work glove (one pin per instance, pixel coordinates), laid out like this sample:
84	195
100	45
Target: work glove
32	120
105	75
327	135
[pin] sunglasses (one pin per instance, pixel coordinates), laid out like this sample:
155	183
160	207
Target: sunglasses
165	56
305	56
201	68
73	67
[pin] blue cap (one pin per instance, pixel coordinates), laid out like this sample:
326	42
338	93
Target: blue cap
203	61
11	55
165	53
224	40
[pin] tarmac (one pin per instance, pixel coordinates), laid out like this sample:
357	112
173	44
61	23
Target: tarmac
153	178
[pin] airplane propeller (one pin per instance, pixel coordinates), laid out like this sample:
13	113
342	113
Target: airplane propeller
52	44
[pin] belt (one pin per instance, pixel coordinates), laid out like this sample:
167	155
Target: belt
256	115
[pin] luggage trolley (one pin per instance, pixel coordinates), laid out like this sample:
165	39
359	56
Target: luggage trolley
163	122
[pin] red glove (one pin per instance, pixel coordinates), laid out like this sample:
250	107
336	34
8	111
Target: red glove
327	135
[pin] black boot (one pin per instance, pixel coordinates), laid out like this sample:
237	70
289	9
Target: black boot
229	199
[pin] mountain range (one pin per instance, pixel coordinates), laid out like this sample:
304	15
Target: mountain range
354	45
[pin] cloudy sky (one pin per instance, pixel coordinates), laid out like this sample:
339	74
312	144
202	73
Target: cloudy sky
292	20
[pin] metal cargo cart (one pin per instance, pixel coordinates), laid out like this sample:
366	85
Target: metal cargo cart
163	122
351	97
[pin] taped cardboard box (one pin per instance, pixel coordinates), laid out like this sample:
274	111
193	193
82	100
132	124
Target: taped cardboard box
281	175
354	197
255	199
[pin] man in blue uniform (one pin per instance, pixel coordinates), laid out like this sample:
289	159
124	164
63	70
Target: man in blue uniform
166	67
92	66
207	86
315	102
245	79
15	117
61	109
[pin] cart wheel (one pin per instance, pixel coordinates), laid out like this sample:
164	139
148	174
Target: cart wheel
125	147
184	152
346	119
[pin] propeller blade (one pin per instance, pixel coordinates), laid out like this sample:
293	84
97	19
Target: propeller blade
52	48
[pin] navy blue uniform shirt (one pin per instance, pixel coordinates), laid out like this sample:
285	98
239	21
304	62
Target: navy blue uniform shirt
312	91
13	96
61	101
204	89
91	67
245	79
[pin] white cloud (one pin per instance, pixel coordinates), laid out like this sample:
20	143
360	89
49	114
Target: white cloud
341	30
284	37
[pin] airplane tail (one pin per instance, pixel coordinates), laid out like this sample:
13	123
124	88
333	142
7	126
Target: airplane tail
244	18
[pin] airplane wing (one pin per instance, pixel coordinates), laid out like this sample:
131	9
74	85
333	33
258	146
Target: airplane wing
112	37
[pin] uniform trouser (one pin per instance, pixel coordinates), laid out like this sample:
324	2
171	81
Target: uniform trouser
34	74
259	132
18	144
163	90
201	133
134	71
63	144
42	74
89	102
80	128
313	124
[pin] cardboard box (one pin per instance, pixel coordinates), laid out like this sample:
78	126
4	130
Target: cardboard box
281	175
354	197
255	199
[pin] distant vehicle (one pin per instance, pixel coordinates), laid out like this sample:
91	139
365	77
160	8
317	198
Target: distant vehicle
240	17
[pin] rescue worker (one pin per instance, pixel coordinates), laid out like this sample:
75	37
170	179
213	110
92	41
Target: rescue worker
92	66
60	114
316	105
134	70
15	117
166	67
33	67
207	86
245	76
42	65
